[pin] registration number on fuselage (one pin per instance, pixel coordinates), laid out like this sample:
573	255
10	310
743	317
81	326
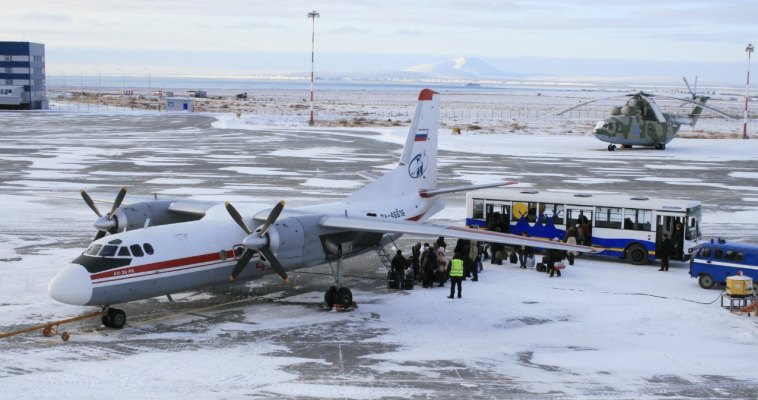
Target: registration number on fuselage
394	214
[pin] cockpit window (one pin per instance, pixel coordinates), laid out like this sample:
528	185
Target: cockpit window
93	249
148	248
108	251
136	250
124	252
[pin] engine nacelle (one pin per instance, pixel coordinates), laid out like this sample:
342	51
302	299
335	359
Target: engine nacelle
141	215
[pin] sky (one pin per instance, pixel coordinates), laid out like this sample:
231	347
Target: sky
239	37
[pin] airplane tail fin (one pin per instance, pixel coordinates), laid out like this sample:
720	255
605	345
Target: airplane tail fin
417	169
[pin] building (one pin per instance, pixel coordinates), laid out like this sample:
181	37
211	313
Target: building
179	104
22	71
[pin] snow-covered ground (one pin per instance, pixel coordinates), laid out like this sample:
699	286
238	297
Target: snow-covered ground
603	330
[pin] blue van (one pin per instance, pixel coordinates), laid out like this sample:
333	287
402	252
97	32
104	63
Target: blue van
712	262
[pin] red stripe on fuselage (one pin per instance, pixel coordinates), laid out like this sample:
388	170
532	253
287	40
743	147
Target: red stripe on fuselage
179	262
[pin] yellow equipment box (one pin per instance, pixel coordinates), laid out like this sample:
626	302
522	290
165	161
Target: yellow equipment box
739	285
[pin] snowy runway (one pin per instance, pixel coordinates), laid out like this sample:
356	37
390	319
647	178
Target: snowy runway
603	330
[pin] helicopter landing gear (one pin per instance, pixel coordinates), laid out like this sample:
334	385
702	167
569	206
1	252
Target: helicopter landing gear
660	146
611	147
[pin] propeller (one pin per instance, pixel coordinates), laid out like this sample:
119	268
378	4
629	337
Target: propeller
104	224
257	241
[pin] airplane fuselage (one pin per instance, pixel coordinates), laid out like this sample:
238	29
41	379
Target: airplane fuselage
171	258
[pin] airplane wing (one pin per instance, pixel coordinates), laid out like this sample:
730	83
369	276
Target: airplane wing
434	230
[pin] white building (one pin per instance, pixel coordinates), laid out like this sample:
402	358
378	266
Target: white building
179	104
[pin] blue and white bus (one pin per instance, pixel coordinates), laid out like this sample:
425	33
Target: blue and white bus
626	227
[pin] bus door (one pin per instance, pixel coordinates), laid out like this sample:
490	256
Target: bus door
665	223
578	215
497	215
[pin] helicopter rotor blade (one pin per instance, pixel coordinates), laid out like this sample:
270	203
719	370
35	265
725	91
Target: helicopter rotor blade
692	92
711	108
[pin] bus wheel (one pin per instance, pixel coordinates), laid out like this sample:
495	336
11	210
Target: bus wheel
636	254
705	281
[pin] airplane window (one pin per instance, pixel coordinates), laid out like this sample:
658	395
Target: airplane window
136	250
108	251
93	250
124	252
148	248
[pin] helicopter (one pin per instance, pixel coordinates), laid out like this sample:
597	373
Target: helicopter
640	122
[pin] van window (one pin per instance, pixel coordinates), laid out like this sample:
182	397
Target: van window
738	256
718	254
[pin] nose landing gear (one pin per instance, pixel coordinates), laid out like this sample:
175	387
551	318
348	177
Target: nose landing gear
113	318
611	147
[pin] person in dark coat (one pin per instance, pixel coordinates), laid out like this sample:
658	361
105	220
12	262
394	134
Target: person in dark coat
678	241
429	265
415	260
398	268
441	243
554	256
667	247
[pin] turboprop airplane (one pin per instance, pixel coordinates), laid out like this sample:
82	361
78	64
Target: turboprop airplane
160	247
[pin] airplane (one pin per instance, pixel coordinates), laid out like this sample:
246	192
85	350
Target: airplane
640	122
159	247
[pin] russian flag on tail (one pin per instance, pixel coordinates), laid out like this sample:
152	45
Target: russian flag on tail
421	135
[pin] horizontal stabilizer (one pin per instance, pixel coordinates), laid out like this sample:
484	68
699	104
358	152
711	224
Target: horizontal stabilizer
465	188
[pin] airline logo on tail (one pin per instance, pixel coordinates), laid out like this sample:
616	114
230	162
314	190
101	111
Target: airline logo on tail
417	166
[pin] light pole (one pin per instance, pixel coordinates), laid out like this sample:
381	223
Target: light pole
312	15
749	50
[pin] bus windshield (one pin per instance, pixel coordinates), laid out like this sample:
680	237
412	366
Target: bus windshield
693	224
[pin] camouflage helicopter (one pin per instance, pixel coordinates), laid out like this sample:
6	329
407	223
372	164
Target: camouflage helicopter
640	122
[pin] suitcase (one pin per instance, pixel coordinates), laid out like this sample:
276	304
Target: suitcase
541	267
514	258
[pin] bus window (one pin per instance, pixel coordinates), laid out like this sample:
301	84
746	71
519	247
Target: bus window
577	216
638	220
692	230
520	210
608	217
554	211
478	209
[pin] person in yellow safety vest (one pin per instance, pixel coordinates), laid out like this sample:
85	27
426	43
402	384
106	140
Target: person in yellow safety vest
456	274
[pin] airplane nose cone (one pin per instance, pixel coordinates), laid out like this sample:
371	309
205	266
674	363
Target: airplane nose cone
72	285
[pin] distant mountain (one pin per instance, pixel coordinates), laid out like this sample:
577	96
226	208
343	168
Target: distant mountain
460	67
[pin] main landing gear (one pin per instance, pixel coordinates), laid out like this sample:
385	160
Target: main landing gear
338	295
113	317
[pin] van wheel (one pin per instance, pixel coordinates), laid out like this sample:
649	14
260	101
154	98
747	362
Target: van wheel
705	281
636	254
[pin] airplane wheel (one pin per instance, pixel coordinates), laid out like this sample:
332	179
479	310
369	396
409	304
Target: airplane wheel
611	147
345	297
116	318
330	296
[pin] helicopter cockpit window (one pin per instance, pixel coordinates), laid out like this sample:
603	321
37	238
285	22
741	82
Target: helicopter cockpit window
108	251
92	250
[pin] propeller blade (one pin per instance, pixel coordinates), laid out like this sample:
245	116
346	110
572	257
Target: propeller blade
246	256
237	217
99	235
272	216
119	198
90	202
275	264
